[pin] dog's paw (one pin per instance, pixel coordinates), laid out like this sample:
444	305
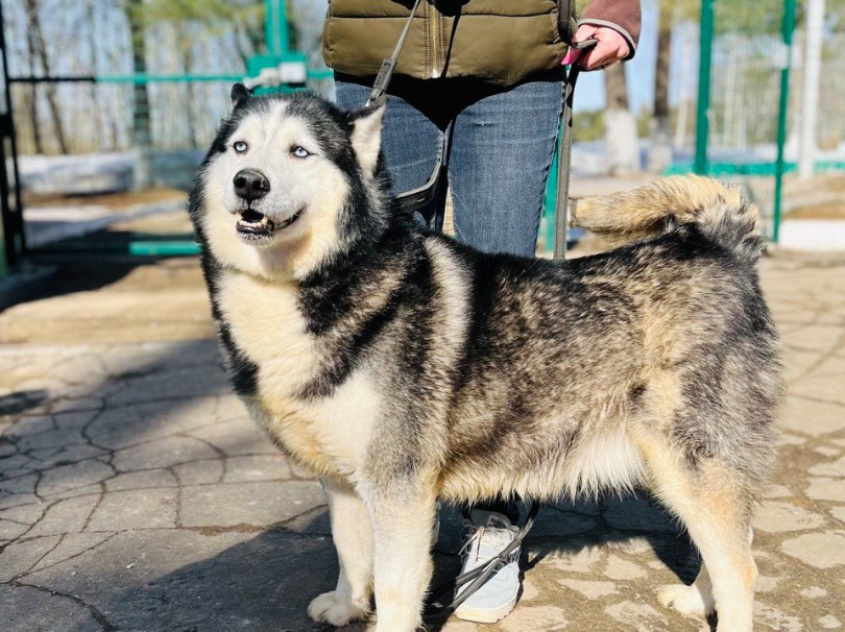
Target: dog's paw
685	599
329	608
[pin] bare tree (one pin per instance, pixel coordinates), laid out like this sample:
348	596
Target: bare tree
106	132
141	134
188	64
31	99
619	123
115	37
616	87
244	17
189	22
38	46
660	150
30	105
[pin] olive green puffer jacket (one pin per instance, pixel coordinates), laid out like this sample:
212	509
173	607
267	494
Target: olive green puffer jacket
499	41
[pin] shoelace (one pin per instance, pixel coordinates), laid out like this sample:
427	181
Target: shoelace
498	538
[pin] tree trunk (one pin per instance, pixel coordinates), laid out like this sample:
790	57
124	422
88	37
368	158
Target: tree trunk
31	100
660	150
620	124
685	105
249	39
39	47
106	140
187	65
32	97
141	133
615	86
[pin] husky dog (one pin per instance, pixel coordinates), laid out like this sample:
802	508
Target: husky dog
403	368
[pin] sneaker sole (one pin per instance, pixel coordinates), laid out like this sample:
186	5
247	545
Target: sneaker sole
485	616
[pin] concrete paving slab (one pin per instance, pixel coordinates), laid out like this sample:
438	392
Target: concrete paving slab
255	504
24	607
135	509
66	516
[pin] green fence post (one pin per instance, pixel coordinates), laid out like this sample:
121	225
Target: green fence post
788	29
702	117
276	27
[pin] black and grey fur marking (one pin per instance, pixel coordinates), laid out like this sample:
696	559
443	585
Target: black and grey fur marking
403	367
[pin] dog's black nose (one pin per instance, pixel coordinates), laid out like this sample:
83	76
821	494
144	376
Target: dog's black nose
251	184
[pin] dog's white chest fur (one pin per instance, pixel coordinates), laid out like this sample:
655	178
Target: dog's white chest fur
328	435
269	329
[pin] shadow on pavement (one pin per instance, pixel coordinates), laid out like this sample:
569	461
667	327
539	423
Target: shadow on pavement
67	277
263	583
21	401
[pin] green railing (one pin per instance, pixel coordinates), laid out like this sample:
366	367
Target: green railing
743	100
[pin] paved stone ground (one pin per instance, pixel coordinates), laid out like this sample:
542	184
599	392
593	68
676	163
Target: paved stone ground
135	494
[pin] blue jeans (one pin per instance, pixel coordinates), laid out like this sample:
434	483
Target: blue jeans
497	145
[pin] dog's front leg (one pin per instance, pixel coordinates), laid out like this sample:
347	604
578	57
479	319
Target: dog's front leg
402	524
353	538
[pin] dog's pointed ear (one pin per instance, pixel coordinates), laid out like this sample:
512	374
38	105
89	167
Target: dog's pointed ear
239	95
366	135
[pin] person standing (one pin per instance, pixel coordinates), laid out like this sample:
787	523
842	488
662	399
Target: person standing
478	88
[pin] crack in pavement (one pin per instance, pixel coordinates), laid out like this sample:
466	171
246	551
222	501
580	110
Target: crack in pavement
98	616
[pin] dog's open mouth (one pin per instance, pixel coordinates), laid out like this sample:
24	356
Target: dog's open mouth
253	225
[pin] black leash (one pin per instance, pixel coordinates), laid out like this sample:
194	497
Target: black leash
564	154
385	73
424	196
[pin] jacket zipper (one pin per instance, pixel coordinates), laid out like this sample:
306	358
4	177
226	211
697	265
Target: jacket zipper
435	61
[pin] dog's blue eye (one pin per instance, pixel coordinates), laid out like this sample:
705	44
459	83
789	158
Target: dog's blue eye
240	147
300	152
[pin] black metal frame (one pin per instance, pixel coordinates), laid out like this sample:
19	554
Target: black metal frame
11	209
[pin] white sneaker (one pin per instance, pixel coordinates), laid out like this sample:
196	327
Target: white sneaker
485	536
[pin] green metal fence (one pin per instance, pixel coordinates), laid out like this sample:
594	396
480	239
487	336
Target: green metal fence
742	115
742	106
741	102
86	107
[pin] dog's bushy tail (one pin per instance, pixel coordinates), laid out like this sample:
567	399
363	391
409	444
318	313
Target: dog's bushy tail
720	213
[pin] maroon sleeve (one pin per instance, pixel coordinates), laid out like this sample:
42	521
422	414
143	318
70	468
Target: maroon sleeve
623	16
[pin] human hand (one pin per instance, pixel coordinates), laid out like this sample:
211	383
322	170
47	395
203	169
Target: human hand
611	47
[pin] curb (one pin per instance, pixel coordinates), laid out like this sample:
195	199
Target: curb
817	235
